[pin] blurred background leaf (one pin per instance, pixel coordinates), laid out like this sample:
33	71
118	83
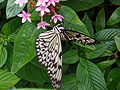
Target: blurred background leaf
79	5
7	79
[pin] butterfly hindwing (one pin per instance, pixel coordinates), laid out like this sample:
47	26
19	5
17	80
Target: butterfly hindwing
78	37
48	45
49	50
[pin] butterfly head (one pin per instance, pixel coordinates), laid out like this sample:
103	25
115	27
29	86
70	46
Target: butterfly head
58	28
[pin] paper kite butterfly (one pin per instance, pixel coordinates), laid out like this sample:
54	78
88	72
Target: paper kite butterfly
49	48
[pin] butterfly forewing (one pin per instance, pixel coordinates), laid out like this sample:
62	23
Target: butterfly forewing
48	45
49	49
79	37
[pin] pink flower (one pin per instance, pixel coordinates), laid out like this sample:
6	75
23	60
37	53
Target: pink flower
53	2
56	17
20	2
42	24
25	16
42	9
41	2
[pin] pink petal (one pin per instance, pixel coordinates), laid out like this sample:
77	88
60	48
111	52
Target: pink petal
38	9
24	12
43	27
52	17
38	4
48	4
16	2
47	10
25	1
21	4
46	0
20	15
38	27
42	12
51	20
29	19
53	3
55	20
57	0
23	20
28	14
59	18
47	24
43	4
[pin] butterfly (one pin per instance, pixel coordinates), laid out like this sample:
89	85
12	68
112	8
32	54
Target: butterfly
49	49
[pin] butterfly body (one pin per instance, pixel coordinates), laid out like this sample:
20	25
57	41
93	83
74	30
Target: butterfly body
49	49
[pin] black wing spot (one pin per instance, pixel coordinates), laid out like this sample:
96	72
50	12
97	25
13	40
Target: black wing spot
43	40
55	50
60	55
43	49
52	56
59	67
55	65
48	58
50	51
78	35
75	40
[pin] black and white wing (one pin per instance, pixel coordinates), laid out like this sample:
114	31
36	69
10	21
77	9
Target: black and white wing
48	45
79	37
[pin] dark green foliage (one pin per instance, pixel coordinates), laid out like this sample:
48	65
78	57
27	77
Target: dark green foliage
95	67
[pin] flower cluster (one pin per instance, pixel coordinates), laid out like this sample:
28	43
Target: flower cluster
44	7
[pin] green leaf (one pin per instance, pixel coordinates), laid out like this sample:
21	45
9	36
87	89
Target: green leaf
27	71
91	47
90	75
70	57
107	34
1	1
35	15
24	46
11	26
3	55
9	48
107	53
33	89
7	79
100	20
113	78
72	22
12	37
80	5
115	17
69	82
118	62
12	9
88	24
100	49
116	2
3	4
118	86
105	64
117	42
